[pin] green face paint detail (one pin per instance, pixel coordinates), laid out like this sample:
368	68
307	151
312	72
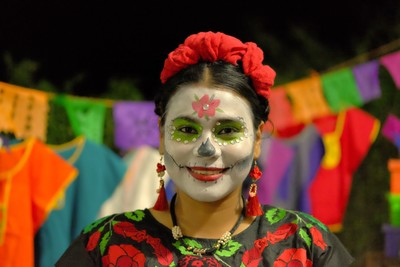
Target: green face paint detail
185	130
230	132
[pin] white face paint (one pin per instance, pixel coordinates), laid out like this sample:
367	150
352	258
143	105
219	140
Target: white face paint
209	141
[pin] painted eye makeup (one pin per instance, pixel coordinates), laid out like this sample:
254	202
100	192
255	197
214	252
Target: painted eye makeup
185	130
229	131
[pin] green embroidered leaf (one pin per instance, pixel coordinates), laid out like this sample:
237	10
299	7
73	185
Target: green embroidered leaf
91	226
242	264
137	215
172	264
275	215
181	247
192	243
305	237
104	242
229	249
314	220
219	110
196	98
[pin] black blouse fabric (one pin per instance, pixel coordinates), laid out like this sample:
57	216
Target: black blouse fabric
277	238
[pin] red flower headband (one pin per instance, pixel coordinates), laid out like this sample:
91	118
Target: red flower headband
210	46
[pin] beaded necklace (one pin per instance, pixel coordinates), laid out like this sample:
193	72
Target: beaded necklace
177	233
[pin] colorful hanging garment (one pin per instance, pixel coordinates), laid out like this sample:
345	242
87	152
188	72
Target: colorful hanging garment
340	90
23	111
136	124
32	178
347	138
392	64
86	116
100	171
281	114
367	79
138	189
275	160
308	101
292	191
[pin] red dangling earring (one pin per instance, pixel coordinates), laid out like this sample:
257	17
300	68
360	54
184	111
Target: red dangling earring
162	202
253	206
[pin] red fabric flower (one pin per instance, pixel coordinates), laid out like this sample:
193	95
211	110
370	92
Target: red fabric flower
160	168
210	46
198	261
123	255
293	257
255	173
318	240
93	241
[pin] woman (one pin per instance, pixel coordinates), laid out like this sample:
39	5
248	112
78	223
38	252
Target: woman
212	106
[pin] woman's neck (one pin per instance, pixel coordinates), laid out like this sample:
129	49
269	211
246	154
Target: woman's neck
207	219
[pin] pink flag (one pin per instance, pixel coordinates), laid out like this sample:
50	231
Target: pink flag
392	64
391	128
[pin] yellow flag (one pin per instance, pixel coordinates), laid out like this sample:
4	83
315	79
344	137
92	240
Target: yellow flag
23	111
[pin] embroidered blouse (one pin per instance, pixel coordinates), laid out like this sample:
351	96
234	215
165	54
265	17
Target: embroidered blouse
277	238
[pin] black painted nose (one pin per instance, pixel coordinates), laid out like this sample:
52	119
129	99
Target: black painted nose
206	149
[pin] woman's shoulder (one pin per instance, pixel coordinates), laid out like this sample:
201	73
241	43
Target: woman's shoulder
132	217
297	224
277	215
307	232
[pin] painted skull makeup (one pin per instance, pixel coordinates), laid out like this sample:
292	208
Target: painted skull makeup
208	141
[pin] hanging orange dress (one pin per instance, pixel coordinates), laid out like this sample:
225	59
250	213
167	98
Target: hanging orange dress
32	178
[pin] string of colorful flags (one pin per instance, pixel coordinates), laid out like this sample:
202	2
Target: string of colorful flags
24	111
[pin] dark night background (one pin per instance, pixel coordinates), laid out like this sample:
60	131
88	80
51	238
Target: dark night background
79	46
116	39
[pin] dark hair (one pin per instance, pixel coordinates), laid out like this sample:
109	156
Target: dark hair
218	74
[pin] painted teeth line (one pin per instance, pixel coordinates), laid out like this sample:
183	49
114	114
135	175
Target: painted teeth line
206	172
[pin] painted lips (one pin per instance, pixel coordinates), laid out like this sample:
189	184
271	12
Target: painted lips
206	174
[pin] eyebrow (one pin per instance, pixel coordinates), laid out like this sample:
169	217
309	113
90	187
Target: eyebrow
187	118
224	120
230	120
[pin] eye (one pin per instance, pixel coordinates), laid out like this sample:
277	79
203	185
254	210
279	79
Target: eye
228	130
188	130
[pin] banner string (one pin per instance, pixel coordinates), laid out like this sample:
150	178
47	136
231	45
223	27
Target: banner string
370	55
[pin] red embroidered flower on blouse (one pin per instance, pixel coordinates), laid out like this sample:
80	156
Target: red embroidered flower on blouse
196	261
124	256
293	257
317	238
93	241
211	47
128	229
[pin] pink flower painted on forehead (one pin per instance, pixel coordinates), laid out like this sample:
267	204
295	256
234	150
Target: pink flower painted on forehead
205	106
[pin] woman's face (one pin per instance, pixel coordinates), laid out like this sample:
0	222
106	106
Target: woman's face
208	141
